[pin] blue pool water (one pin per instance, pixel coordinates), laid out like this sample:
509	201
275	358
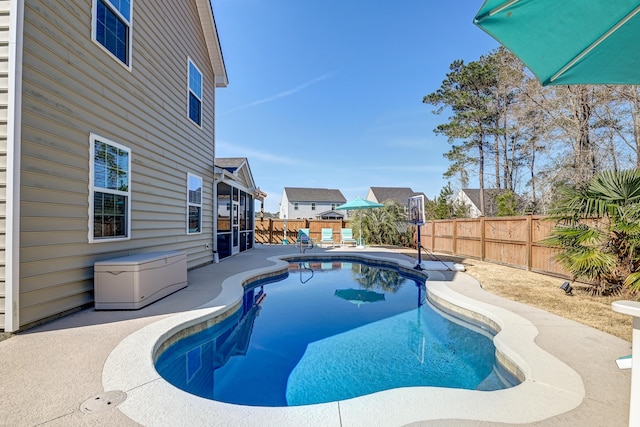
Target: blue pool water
330	331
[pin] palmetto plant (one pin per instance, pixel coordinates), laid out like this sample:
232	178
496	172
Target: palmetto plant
598	231
370	277
385	226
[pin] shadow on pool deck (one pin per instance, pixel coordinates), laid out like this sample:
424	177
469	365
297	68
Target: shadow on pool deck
50	370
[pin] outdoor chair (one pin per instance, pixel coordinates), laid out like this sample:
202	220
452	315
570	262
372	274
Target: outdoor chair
303	241
346	236
327	237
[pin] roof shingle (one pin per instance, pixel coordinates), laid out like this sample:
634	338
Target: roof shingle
297	194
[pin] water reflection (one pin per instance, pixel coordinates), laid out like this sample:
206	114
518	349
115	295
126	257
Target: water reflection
374	277
308	345
359	296
368	277
207	351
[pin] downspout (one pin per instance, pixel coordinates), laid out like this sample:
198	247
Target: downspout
218	177
14	125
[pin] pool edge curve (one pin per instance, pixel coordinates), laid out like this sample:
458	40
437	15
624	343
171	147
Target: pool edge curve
550	387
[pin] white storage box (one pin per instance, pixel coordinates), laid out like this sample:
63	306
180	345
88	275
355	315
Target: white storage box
135	281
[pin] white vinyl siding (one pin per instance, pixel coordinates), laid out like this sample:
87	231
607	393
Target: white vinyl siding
309	210
194	204
7	172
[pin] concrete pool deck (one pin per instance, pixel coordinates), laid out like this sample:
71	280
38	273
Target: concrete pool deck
56	374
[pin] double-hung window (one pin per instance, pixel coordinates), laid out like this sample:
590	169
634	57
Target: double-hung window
112	27
194	204
195	94
110	190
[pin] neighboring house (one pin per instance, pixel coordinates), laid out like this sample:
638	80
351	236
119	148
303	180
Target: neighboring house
235	195
311	203
471	198
107	144
400	195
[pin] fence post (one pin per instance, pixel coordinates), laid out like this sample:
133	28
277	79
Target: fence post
270	231
454	233
433	236
529	240
482	242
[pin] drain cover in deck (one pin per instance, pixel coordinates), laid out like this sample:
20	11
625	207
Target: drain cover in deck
103	401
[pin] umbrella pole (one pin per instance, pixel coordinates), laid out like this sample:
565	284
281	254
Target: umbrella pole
360	243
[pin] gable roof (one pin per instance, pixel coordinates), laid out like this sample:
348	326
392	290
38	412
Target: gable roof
297	194
230	163
213	42
490	203
237	169
398	194
330	214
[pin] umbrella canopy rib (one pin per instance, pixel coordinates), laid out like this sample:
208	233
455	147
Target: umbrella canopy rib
594	44
480	18
569	41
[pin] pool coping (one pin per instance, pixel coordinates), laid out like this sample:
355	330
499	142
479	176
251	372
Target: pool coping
550	387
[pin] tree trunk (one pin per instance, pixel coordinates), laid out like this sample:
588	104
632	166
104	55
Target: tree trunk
586	160
507	170
481	173
636	122
533	174
496	148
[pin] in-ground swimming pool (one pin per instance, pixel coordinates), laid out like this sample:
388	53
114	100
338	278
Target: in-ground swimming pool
328	331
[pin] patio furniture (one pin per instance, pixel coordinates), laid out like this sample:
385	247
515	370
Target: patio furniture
304	235
346	236
327	237
304	240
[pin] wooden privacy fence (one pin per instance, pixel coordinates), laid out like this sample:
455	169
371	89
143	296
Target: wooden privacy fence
513	241
270	230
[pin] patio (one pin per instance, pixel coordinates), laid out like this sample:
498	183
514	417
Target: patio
50	371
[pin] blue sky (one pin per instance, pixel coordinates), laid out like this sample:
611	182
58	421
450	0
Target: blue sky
329	93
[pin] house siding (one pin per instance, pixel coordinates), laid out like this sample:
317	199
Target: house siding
284	205
322	197
72	88
305	212
4	67
463	199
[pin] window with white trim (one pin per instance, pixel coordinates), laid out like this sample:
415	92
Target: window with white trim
295	206
195	94
194	204
112	27
109	190
313	206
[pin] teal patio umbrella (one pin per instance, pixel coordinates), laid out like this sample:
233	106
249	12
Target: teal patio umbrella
359	296
358	204
569	41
